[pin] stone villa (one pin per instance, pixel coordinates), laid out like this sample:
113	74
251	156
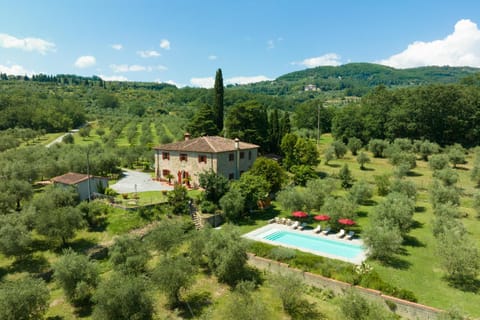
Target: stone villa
183	161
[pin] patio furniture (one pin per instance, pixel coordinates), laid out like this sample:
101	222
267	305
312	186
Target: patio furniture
326	231
317	229
341	233
350	235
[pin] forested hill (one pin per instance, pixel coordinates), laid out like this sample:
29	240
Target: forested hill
356	79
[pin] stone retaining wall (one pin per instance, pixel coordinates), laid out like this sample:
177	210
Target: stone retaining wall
405	309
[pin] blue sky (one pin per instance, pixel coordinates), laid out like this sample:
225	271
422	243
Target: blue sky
185	42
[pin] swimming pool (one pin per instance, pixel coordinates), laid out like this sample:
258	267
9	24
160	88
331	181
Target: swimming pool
327	246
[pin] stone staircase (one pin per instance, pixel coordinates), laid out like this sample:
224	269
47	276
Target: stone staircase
196	217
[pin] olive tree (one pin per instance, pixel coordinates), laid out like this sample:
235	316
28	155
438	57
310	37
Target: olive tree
363	159
383	240
396	210
26	298
171	275
354	144
129	255
77	276
459	257
123	297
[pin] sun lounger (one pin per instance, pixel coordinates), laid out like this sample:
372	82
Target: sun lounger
295	225
326	231
289	222
350	235
302	226
341	233
271	221
283	221
317	229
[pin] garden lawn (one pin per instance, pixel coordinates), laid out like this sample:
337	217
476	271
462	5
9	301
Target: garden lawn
418	269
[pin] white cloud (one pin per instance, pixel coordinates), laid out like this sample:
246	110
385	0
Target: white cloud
113	78
117	68
127	68
26	44
329	59
85	62
165	44
209	82
157	68
15	70
246	80
461	48
117	46
203	82
148	54
212	57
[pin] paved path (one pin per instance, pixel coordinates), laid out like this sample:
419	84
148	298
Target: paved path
143	182
59	139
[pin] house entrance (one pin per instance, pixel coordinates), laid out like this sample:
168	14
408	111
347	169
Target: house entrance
183	177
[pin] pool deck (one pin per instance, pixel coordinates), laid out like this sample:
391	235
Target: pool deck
260	233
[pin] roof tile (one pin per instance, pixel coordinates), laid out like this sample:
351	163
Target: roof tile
207	144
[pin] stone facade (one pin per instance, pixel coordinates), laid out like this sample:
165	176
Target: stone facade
185	160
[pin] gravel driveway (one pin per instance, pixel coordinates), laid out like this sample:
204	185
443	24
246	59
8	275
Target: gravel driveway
142	180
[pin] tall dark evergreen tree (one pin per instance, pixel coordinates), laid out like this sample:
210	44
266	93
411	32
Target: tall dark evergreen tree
274	132
285	126
218	107
203	123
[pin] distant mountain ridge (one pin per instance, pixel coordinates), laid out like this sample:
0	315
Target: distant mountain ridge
358	78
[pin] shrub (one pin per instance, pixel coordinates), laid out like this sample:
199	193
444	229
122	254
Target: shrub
282	254
259	248
208	206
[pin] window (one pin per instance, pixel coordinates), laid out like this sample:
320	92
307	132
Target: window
242	154
231	176
231	157
165	156
165	172
183	157
202	158
249	155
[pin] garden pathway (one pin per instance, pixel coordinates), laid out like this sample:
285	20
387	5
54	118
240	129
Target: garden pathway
136	181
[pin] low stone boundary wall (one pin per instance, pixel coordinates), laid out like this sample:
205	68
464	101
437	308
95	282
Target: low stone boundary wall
406	309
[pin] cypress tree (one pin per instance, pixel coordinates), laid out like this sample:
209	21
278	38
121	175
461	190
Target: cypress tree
274	132
218	108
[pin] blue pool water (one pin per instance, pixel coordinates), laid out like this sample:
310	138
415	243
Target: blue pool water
316	243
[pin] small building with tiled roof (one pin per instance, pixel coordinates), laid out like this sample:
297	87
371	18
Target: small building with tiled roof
85	185
185	160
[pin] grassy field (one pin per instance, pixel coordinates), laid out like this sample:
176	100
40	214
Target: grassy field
418	268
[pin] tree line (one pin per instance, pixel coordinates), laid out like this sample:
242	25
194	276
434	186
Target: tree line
444	114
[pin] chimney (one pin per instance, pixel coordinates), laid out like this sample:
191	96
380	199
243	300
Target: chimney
237	144
186	136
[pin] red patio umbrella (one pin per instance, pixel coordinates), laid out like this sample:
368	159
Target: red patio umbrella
321	217
299	214
347	222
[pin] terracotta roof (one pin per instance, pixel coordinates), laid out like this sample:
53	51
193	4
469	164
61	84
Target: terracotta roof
71	178
208	144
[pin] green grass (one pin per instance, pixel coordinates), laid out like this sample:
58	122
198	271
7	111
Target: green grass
141	198
121	221
418	269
